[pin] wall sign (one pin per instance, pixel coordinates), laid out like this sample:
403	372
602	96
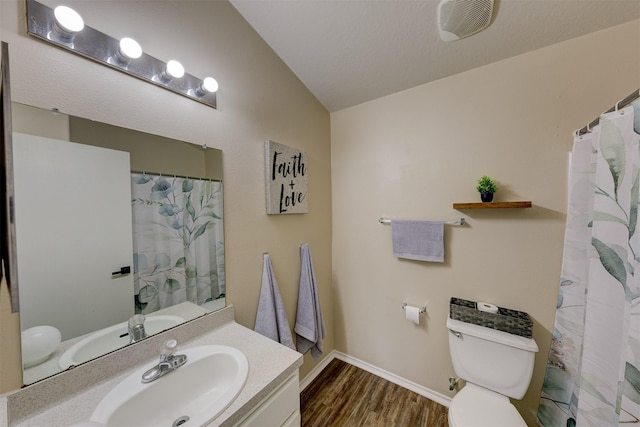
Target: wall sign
286	179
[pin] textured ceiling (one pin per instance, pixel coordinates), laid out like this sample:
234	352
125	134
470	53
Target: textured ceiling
352	51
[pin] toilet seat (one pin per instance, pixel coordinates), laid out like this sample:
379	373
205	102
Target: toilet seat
475	406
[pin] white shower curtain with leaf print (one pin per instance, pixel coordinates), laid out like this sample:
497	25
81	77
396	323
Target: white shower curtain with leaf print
178	241
593	369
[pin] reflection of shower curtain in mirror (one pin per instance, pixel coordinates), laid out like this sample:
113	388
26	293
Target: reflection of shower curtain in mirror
178	241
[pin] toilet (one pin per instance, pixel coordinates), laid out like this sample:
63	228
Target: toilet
496	365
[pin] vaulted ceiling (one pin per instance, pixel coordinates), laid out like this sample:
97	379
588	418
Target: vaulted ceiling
351	51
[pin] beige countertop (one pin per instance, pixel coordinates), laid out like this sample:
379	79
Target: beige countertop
71	397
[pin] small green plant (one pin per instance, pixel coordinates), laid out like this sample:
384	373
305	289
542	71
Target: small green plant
486	185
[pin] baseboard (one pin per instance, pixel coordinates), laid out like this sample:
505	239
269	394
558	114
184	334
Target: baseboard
402	382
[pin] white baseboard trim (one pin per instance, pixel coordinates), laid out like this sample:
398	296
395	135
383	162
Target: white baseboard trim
402	382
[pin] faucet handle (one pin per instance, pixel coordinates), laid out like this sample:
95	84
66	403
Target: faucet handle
168	349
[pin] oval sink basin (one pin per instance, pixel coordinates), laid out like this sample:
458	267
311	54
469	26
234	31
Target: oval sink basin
191	395
112	338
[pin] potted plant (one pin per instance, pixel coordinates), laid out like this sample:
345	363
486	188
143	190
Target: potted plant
486	187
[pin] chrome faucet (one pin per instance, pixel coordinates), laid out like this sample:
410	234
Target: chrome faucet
168	362
136	328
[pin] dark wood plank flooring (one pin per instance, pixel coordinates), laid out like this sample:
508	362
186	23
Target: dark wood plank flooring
344	396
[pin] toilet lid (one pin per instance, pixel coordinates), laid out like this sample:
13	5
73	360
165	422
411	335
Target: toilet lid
476	407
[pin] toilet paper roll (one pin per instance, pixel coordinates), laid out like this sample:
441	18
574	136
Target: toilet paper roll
412	314
485	306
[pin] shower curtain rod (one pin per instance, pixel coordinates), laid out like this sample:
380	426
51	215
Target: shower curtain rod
172	175
620	104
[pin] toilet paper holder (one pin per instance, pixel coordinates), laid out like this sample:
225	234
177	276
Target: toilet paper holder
423	309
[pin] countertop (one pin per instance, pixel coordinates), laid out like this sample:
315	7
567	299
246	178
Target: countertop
71	397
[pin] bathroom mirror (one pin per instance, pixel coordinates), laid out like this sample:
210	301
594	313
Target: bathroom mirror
79	185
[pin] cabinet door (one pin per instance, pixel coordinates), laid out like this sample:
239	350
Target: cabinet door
278	408
67	192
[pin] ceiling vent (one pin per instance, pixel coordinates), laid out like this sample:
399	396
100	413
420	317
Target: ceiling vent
458	19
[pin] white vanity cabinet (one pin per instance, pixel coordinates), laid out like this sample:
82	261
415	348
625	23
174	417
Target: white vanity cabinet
281	408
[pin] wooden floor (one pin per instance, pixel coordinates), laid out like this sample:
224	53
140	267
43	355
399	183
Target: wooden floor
343	395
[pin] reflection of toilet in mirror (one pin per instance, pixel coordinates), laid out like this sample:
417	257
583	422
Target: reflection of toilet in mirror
38	344
496	365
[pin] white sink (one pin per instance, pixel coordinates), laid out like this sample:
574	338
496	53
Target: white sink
112	338
194	393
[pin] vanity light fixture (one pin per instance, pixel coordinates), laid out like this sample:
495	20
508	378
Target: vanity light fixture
67	23
65	28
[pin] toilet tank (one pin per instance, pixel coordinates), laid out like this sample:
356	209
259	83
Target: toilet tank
496	360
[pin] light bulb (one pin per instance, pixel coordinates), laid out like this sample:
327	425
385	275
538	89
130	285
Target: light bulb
174	69
129	48
68	22
208	85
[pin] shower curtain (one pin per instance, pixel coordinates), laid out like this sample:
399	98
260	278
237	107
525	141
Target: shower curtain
593	369
178	241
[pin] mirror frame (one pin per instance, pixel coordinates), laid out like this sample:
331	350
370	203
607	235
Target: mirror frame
8	248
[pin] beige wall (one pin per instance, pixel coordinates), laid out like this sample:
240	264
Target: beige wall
412	154
259	99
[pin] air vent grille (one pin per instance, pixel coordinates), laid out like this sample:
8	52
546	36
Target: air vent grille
461	18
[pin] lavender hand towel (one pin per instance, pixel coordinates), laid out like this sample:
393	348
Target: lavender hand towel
271	319
418	240
309	321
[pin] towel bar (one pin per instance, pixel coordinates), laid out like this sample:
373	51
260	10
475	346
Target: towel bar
460	221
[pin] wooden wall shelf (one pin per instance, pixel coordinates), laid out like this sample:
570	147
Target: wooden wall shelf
492	205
